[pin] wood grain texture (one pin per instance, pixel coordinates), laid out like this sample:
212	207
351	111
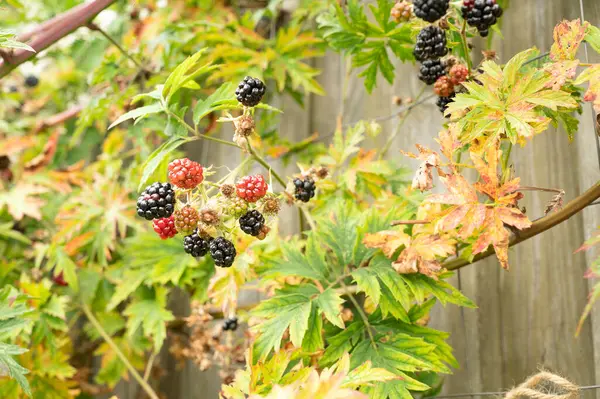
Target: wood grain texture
526	317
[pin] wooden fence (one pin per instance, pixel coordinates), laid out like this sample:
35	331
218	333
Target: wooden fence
527	316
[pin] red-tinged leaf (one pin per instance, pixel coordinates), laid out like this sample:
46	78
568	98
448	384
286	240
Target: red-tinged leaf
473	221
461	192
513	217
14	145
388	241
46	155
449	143
422	254
591	74
561	71
568	35
595	240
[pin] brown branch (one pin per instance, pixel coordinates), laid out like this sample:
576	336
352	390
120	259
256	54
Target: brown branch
51	31
58	119
539	226
546	190
408	222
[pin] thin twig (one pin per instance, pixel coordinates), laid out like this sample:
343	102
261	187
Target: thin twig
264	163
149	366
408	222
546	190
95	27
145	386
465	45
202	136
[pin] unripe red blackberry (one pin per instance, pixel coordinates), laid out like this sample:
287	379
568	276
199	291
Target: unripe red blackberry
250	91
252	188
252	222
59	279
430	44
165	227
481	14
431	70
430	10
458	74
186	219
185	173
304	189
156	201
222	251
442	102
401	12
443	87
196	245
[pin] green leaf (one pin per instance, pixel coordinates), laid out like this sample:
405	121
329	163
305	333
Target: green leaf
13	44
152	316
341	343
330	302
289	308
62	263
592	37
7	231
132	279
188	70
293	262
368	283
155	159
138	113
89	280
206	106
313	339
12	368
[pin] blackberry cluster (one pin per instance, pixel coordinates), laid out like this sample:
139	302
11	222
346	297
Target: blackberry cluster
252	222
481	14
250	91
430	10
230	324
431	43
431	70
156	201
196	245
222	251
304	189
442	102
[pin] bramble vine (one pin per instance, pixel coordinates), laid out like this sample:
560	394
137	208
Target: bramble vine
346	302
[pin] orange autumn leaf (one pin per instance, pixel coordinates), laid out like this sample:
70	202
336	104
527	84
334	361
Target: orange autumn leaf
421	255
388	241
46	155
568	35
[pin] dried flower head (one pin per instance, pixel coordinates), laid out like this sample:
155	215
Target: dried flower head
228	190
209	217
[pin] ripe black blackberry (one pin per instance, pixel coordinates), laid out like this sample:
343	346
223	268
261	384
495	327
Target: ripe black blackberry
31	81
431	43
442	102
251	222
230	324
431	70
196	245
156	201
481	14
305	189
250	91
222	251
430	10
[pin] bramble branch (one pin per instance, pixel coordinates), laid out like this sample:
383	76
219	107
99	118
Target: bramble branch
51	31
539	226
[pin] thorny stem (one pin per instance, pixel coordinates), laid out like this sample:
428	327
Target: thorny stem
392	137
95	27
539	226
361	313
465	45
264	163
195	133
145	386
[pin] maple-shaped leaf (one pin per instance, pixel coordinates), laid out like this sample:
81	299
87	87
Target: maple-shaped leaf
487	219
23	200
421	255
561	71
591	74
568	35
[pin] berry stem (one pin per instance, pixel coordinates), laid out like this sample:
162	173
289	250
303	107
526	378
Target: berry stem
95	27
145	386
264	163
465	45
195	133
361	313
392	137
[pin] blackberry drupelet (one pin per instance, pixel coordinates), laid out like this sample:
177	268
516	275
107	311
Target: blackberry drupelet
305	189
442	102
196	245
250	91
481	14
222	251
230	324
431	43
252	222
431	70
156	201
430	10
